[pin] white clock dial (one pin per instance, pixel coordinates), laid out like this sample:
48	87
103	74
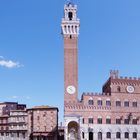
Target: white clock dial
71	89
130	89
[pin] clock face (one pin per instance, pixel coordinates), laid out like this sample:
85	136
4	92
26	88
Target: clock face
130	89
71	89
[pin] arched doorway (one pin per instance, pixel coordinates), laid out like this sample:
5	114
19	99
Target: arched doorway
73	131
99	135
90	135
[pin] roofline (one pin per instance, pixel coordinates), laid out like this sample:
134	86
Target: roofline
9	103
39	108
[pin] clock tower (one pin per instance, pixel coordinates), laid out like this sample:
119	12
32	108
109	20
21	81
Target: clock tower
70	31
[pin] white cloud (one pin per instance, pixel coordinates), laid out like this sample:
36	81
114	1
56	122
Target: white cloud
9	63
14	97
28	97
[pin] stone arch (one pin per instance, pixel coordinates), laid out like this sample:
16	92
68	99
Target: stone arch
73	129
100	135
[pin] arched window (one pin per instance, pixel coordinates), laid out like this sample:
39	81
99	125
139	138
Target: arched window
99	135
90	102
108	135
99	121
83	135
126	121
118	89
134	135
99	102
90	120
90	135
134	121
126	135
134	104
118	103
126	103
70	15
108	102
118	120
83	120
118	135
108	120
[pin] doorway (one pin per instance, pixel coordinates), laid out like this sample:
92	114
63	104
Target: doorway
90	135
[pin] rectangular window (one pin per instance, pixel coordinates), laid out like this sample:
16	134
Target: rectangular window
126	104
38	118
83	120
118	103
90	102
118	135
134	135
90	120
83	135
108	103
108	135
108	121
23	134
126	135
134	121
126	121
99	102
118	121
99	121
134	104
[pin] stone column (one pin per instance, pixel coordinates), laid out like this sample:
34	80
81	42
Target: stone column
122	136
130	136
86	135
95	136
113	136
103	136
138	136
66	134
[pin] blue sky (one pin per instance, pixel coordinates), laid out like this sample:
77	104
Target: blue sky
31	47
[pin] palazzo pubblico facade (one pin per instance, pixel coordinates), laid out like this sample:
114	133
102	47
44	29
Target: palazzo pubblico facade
113	114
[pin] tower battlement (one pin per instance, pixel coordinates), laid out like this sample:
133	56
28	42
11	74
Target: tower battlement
70	22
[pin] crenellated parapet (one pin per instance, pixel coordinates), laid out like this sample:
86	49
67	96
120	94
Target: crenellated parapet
70	23
94	94
121	84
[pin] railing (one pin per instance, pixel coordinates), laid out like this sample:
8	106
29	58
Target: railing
18	128
12	138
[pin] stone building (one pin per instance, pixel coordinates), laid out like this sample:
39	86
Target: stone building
18	124
5	111
113	114
4	127
43	123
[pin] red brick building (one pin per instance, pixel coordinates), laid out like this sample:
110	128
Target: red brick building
19	123
113	114
43	123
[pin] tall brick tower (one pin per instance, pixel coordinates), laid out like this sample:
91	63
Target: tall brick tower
70	30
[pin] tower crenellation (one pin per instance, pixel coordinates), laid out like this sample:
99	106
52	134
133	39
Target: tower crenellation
70	23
